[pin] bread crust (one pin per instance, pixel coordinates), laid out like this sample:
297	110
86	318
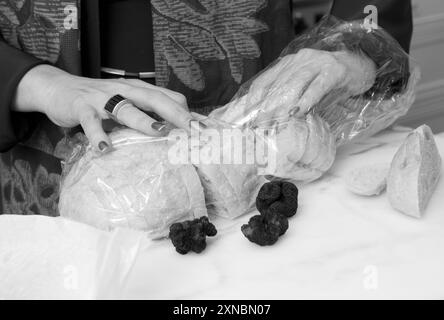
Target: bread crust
134	186
414	173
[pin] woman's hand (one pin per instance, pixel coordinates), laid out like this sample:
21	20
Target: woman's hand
299	81
70	101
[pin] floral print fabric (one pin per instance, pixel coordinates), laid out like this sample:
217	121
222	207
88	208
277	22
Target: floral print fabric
187	32
203	48
30	172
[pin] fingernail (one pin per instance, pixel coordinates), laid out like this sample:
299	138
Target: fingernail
158	126
197	125
194	124
103	146
294	111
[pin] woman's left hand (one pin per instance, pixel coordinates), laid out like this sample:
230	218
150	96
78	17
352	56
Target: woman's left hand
299	81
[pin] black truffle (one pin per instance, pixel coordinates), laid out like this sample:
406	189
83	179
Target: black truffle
274	217
265	229
280	196
191	235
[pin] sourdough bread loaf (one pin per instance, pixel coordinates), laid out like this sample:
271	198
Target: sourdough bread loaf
230	181
305	149
133	186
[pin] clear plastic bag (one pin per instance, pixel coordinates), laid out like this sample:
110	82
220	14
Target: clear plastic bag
133	186
224	158
355	111
234	162
143	189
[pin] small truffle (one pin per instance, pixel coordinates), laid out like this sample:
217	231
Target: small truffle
265	229
281	196
191	235
274	217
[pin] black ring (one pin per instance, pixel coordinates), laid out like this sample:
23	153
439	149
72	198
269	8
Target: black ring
112	103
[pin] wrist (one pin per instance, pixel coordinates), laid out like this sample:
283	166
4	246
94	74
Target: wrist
37	88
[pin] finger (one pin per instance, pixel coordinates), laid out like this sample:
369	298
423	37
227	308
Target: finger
136	119
283	100
92	126
160	103
286	96
304	67
287	88
265	79
318	88
305	59
176	96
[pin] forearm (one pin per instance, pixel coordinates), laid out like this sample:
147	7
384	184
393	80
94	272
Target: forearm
36	88
14	64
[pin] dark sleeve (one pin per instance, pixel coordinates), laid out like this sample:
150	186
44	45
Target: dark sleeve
14	126
395	16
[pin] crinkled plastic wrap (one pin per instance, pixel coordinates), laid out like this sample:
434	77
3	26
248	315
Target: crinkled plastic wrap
234	162
134	186
137	186
223	157
306	145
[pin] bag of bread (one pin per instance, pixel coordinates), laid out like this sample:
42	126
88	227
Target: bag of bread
135	186
305	144
234	162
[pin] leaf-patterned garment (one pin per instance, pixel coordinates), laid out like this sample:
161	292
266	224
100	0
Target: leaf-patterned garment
29	191
207	48
43	28
204	49
30	172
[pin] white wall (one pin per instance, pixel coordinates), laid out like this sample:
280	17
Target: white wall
428	51
423	8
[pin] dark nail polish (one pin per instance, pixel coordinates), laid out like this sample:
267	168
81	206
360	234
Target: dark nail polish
103	146
294	111
158	126
198	125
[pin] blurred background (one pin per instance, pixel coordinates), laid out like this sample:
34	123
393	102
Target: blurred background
427	49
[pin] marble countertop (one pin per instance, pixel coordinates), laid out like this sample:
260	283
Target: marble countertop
339	245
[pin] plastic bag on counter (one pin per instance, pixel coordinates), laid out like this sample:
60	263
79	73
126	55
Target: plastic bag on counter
134	186
224	158
234	162
355	110
56	258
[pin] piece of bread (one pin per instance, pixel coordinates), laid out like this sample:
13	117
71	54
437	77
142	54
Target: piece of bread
327	153
230	190
305	149
134	186
414	173
288	146
368	180
314	142
230	182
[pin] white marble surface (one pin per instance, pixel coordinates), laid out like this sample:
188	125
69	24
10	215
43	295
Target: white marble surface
339	245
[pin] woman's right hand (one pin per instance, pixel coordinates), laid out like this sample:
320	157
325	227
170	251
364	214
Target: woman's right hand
297	82
70	101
